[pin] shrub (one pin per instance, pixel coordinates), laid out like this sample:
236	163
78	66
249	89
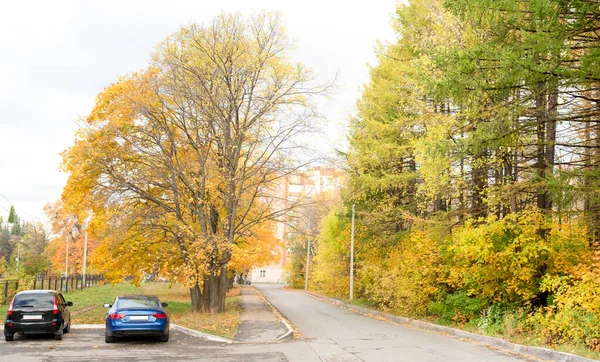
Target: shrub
575	313
457	307
492	318
406	280
332	263
499	260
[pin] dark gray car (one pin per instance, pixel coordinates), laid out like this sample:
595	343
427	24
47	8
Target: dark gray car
38	311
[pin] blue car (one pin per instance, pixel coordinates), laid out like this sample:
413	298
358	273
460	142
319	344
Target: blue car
136	315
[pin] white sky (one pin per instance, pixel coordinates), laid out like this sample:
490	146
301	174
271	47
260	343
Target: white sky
55	56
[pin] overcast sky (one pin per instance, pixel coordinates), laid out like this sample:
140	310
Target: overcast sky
56	56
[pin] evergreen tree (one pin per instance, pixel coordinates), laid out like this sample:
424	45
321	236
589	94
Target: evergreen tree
12	215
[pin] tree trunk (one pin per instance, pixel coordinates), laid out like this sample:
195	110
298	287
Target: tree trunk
592	203
541	112
551	141
462	202
480	182
214	290
196	297
512	164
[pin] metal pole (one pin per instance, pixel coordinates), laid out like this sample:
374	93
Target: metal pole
18	254
307	258
307	263
67	258
352	257
84	254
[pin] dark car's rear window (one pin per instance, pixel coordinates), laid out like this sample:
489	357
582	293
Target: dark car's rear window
137	302
38	300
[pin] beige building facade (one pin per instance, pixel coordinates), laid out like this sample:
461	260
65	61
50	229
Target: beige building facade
295	188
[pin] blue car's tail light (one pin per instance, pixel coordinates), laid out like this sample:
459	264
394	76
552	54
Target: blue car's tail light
117	315
159	315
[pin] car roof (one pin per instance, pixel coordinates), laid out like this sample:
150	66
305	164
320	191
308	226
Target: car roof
133	296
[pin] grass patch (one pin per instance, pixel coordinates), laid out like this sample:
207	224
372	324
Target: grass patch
177	296
362	303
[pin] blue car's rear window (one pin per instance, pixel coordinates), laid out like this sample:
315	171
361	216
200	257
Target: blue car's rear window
137	302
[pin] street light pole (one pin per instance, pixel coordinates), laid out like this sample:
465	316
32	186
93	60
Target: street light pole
84	256
18	254
307	258
87	223
352	257
67	256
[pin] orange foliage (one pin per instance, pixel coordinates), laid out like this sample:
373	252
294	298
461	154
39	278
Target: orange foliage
258	249
65	226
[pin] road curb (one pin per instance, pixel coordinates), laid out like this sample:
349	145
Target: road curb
198	334
537	352
88	326
286	323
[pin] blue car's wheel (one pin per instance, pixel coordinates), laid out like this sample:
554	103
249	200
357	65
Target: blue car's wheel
109	339
164	338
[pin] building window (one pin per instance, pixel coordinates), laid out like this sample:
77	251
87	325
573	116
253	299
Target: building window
263	273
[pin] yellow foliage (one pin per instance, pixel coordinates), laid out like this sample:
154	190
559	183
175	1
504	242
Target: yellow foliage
260	248
68	226
331	267
504	260
407	279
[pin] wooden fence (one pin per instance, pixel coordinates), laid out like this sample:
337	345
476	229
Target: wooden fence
64	284
8	288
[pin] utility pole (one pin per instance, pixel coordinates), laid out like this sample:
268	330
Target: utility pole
84	256
87	223
352	257
307	258
67	256
18	254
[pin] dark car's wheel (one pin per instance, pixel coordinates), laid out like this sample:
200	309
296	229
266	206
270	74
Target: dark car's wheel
58	335
109	339
164	338
9	337
67	329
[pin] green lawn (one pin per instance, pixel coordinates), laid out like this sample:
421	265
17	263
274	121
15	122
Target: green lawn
177	296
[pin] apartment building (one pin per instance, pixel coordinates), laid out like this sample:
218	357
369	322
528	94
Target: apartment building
294	188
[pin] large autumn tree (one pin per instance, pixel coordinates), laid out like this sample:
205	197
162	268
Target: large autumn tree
182	159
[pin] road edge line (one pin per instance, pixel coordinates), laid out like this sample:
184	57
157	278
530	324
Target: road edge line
538	352
282	318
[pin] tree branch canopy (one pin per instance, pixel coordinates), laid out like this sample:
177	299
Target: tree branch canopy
200	137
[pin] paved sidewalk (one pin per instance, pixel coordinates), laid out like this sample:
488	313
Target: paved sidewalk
258	324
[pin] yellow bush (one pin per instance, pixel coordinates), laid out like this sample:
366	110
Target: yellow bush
500	260
406	280
574	315
331	267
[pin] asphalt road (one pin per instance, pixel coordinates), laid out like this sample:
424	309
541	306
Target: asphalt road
329	333
338	334
88	345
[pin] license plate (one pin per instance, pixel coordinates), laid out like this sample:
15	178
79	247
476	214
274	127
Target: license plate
32	316
138	318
